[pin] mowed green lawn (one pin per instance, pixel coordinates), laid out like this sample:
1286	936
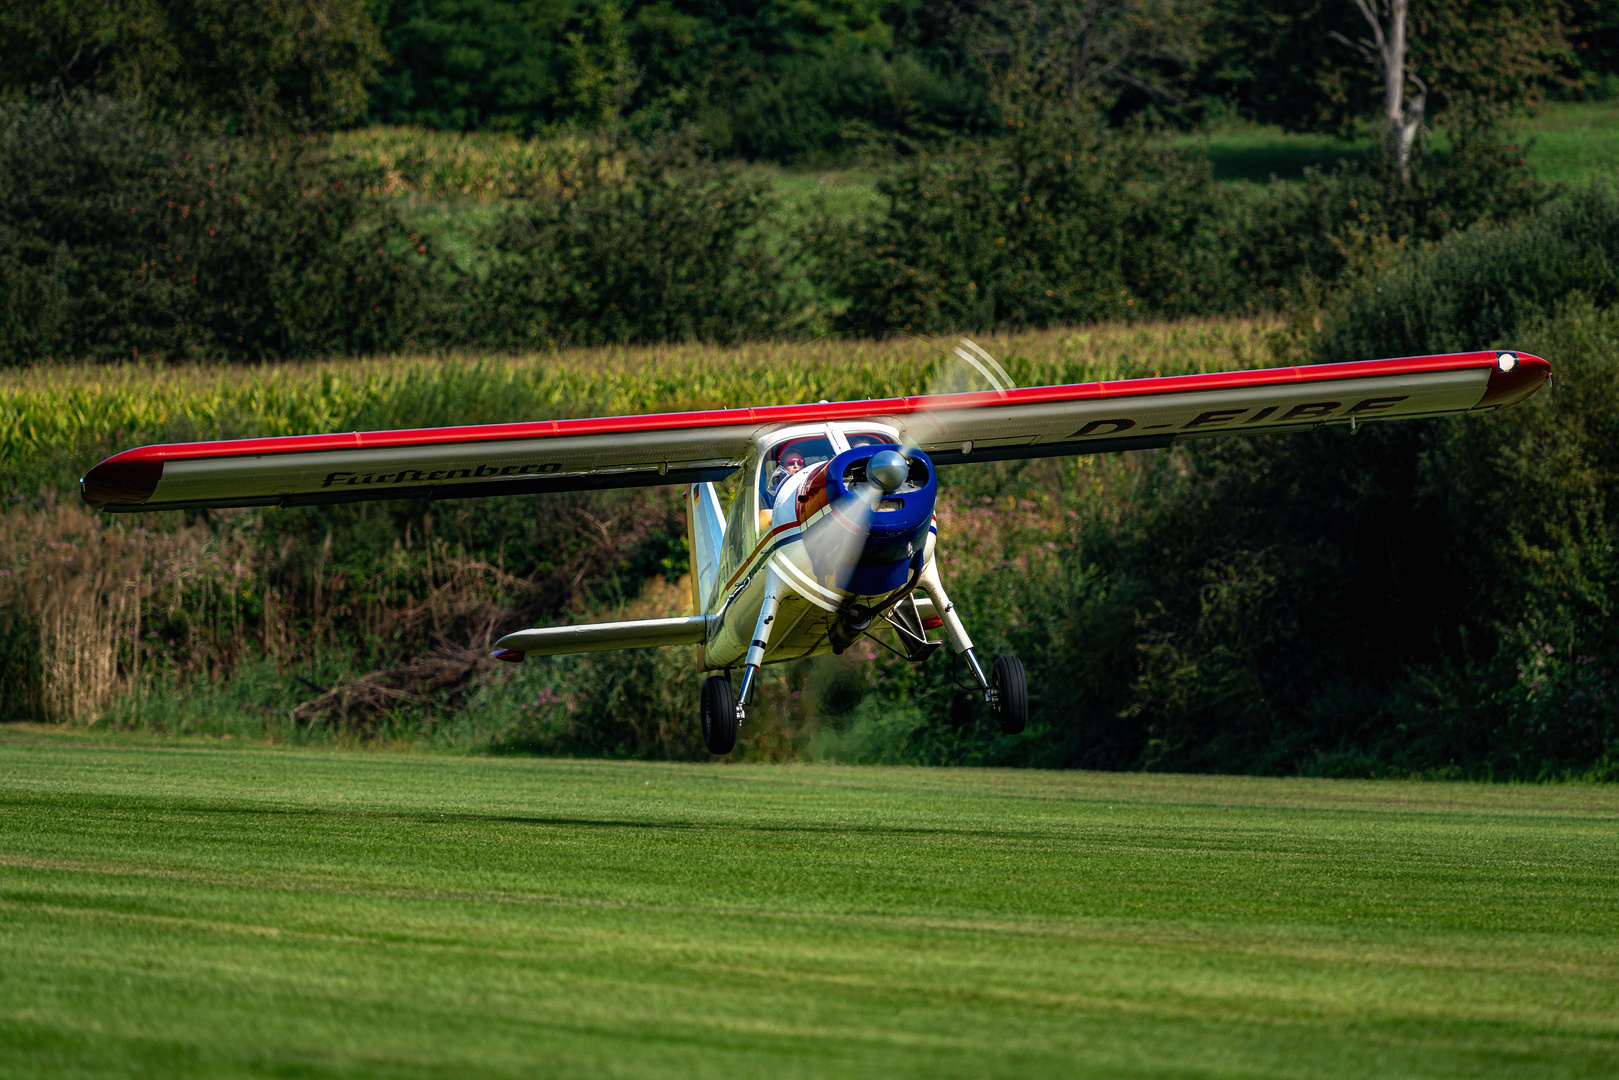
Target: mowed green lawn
204	910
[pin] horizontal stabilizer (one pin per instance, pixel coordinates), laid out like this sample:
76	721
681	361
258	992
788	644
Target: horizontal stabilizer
600	637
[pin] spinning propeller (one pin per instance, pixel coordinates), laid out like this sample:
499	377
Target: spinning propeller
965	368
845	540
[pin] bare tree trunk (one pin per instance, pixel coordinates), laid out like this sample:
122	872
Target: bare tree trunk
1386	51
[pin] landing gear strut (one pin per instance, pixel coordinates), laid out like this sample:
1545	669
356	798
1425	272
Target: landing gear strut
761	640
1006	690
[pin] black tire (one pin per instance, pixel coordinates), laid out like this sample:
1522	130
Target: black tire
1012	694
719	715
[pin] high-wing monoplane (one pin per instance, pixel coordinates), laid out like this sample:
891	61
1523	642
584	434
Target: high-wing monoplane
831	534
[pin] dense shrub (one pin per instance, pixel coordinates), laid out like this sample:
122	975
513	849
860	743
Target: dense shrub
258	68
78	187
648	252
123	238
1059	223
1426	596
1066	221
1475	288
120	238
273	250
1334	221
825	107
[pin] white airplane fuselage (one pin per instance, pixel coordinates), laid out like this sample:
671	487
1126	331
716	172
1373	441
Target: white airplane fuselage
829	553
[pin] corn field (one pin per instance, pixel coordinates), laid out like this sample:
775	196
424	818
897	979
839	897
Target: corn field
46	412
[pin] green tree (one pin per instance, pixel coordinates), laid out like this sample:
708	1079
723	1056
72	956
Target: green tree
1594	33
601	74
779	78
468	64
115	46
255	67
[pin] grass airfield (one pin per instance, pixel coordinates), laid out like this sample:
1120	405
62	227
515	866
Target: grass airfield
209	909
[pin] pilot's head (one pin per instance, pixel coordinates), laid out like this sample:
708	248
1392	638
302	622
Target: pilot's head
792	461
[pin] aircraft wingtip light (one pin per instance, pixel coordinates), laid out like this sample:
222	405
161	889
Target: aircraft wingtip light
1514	377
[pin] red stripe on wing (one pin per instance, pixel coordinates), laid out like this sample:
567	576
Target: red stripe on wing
131	476
838	410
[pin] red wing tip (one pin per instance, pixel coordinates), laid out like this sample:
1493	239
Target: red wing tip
511	656
120	481
1515	376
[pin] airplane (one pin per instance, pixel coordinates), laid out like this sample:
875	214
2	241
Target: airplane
832	534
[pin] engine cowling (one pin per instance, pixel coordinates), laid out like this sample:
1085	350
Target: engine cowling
831	507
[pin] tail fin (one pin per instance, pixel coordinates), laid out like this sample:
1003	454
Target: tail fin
705	532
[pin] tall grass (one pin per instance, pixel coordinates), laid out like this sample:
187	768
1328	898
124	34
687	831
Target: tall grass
90	607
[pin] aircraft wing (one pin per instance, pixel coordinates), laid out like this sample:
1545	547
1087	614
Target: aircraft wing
430	463
1136	414
680	448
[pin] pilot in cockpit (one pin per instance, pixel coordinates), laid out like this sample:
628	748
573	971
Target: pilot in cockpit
791	462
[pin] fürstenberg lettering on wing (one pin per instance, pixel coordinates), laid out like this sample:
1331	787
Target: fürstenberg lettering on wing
420	476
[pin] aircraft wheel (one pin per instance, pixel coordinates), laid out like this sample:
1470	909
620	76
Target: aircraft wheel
1012	693
719	715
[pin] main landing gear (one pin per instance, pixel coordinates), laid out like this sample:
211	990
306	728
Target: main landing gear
1011	701
1005	689
719	715
724	709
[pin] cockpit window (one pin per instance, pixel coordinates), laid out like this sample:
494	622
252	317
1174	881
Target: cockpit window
866	438
786	459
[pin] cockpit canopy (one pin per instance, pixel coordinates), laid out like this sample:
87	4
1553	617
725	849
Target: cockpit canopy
802	449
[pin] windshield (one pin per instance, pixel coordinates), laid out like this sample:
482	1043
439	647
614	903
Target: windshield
789	457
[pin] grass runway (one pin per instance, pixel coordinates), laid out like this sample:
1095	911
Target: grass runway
213	911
